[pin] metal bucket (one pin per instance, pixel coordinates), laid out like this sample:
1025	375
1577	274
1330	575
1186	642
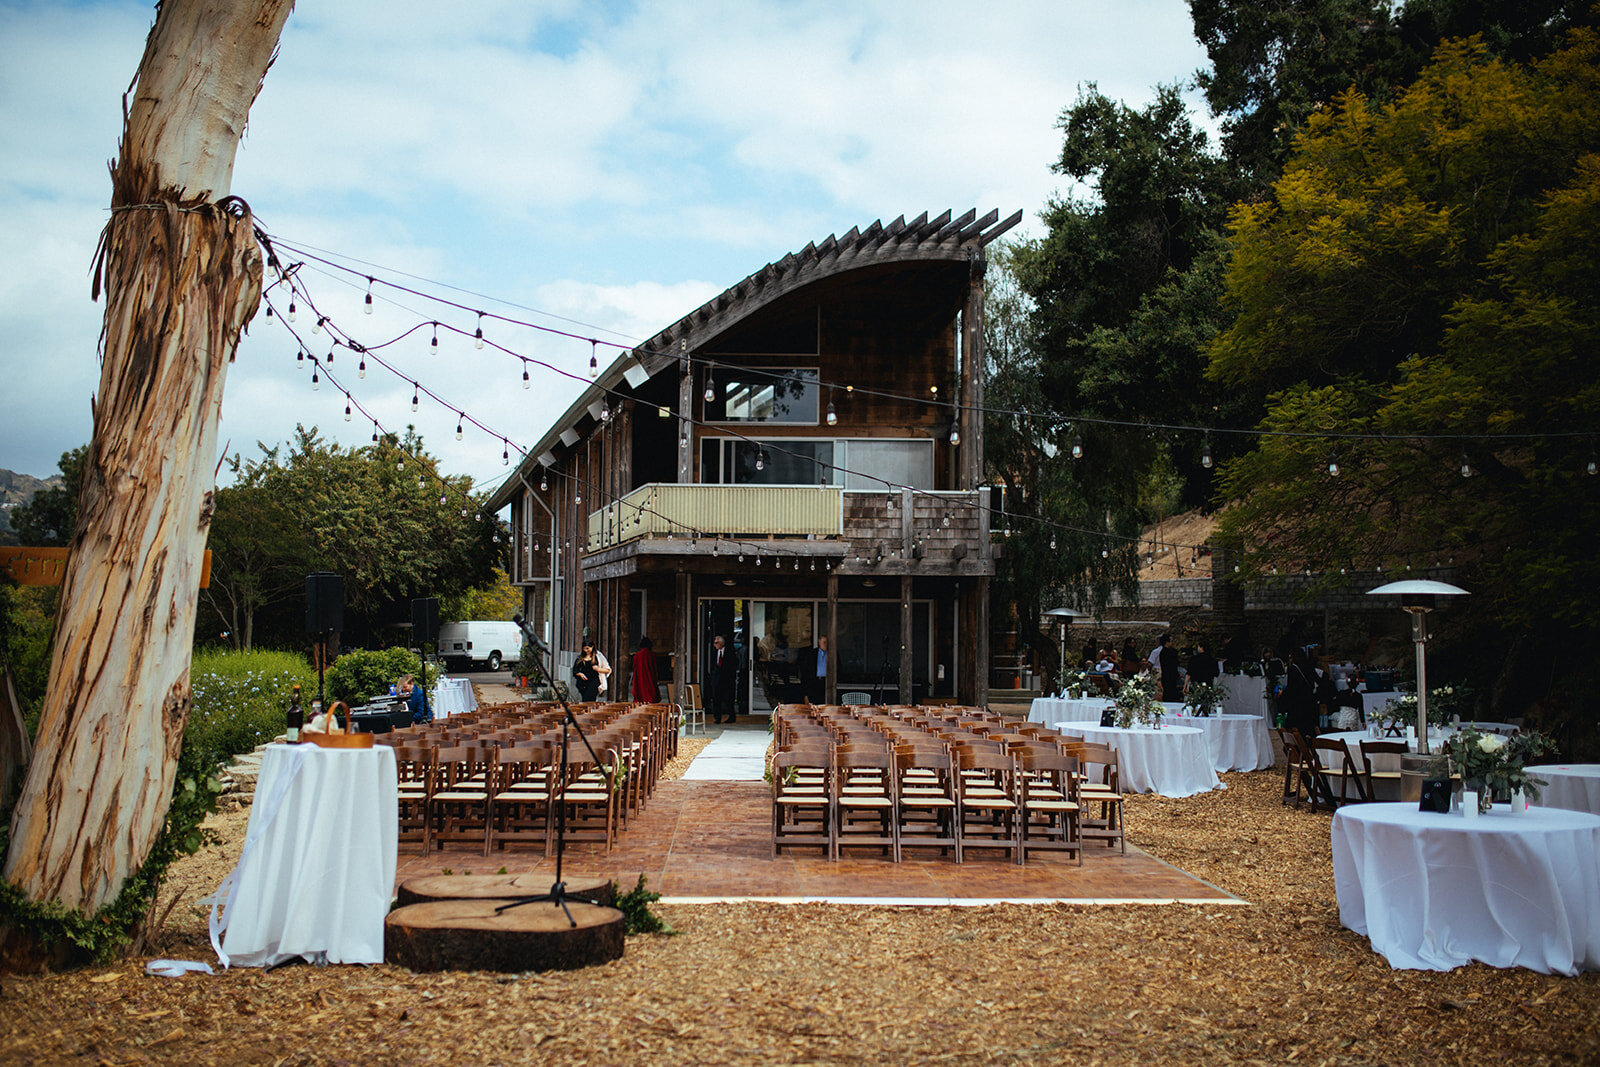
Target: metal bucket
1415	768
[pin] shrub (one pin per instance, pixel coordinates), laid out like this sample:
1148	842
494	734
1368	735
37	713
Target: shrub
240	699
356	677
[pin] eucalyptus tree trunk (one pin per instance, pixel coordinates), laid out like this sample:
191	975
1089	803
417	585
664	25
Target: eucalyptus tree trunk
182	275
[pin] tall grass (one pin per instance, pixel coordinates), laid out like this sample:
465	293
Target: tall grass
240	699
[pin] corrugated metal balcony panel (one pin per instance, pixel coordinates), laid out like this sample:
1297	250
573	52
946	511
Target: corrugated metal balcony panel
735	510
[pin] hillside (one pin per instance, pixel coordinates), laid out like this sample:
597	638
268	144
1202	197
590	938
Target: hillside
15	489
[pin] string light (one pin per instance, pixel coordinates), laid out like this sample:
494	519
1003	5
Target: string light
1466	466
362	370
291	309
526	384
1333	464
300	356
1077	447
955	433
415	399
594	361
505	454
1205	452
368	307
321	321
315	383
833	418
477	334
710	393
605	411
347	413
458	425
544	483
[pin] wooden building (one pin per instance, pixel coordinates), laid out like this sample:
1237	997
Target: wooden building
799	457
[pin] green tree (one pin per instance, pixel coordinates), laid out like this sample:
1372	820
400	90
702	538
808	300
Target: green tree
1425	271
48	519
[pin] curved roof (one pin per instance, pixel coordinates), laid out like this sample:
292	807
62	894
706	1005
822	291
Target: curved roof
922	240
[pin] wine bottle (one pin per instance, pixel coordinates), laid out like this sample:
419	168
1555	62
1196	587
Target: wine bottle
296	718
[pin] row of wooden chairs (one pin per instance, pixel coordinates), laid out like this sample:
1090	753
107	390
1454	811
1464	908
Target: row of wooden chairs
495	779
1324	774
953	779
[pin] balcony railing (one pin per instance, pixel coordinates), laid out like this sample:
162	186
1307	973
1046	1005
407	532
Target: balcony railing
659	509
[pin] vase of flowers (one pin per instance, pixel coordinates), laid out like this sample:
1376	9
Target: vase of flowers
1137	702
1494	765
1203	698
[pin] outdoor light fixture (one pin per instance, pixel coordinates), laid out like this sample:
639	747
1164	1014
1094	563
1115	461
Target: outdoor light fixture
710	393
525	383
1205	452
955	433
368	307
1333	464
1419	596
1466	466
833	420
1077	447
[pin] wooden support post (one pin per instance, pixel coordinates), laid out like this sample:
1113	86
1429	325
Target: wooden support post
683	641
906	630
830	689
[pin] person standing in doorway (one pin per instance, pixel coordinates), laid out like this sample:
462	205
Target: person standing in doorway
646	689
814	672
722	673
1167	661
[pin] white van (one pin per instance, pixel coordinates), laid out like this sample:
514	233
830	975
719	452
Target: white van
463	645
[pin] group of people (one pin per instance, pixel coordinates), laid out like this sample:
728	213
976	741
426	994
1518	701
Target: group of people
1175	670
591	673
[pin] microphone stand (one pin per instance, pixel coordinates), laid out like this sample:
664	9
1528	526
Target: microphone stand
558	889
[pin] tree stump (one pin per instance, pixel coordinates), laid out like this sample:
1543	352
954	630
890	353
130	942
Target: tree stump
433	887
468	935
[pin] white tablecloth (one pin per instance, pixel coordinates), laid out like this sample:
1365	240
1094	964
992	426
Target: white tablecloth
453	696
1434	892
1574	786
1173	761
1243	695
1236	742
1056	709
316	873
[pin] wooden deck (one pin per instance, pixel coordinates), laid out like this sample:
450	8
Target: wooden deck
711	841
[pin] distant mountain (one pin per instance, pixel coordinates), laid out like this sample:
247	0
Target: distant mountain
18	489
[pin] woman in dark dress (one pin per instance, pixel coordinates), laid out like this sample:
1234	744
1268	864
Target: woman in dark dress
586	674
1299	699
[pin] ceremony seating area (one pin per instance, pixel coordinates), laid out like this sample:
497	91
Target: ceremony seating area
958	780
492	777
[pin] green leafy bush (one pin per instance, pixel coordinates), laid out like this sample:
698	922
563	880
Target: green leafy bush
357	677
239	701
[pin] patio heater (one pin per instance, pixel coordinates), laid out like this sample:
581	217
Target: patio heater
1418	596
1065	615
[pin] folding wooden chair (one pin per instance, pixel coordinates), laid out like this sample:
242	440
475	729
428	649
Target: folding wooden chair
863	800
1099	793
1386	770
802	800
519	809
925	792
1338	764
986	805
1047	803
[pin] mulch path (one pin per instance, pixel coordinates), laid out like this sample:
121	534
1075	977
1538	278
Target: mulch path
1278	981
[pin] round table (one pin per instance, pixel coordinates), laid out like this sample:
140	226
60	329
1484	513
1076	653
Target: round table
1174	761
1574	786
1236	742
316	873
1434	891
1059	709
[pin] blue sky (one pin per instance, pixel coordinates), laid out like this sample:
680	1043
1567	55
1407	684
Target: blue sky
612	164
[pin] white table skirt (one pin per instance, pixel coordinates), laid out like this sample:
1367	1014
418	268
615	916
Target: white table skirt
1236	742
1434	892
316	873
1573	786
1058	709
1243	695
1173	761
453	696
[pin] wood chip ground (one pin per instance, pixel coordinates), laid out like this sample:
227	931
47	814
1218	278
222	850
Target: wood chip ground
1277	982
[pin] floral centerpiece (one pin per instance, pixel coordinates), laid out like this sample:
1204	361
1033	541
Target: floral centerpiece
1204	698
1074	681
1444	703
1137	702
1491	764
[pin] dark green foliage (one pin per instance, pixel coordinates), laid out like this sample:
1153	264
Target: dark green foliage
636	913
50	517
357	677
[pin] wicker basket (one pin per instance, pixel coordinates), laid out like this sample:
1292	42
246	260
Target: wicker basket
343	739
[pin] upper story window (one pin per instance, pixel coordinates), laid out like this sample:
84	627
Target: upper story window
869	464
776	394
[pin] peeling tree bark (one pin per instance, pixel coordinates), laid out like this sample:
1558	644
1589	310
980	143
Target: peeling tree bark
182	276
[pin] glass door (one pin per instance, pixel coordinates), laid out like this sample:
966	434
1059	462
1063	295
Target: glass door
783	634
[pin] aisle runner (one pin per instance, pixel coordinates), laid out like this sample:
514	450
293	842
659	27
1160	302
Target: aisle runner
739	755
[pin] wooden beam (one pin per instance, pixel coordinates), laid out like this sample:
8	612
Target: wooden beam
1011	220
968	232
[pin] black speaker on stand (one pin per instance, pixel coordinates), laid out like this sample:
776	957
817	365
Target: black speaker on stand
425	630
324	616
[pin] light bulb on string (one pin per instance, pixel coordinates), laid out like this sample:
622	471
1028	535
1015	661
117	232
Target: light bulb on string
1205	452
315	382
291	309
477	336
1077	447
544	484
442	499
434	342
1333	464
505	454
1466	466
329	357
594	361
300	356
368	307
526	384
833	417
761	459
605	411
361	371
955	433
1594	463
400	464
710	394
415	397
577	497
347	413
317	326
458	426
1052	542
374	433
1105	553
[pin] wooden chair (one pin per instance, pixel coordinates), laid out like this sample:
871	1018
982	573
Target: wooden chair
1047	803
519	809
694	713
1386	771
1295	779
863	800
414	770
1341	765
802	800
986	806
925	792
458	801
587	800
1099	793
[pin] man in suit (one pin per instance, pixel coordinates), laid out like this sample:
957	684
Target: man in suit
814	672
722	674
1167	661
